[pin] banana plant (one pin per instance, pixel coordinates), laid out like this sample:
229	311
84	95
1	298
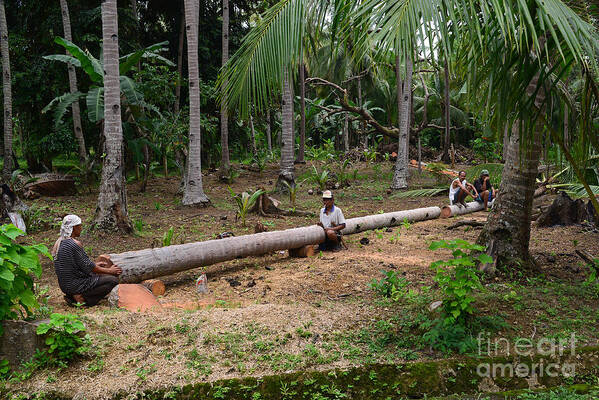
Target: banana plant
245	202
94	98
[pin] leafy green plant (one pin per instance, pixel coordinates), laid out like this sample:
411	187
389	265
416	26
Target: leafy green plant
292	191
392	285
19	264
370	154
139	225
37	218
592	280
457	279
406	224
65	339
319	178
170	237
245	202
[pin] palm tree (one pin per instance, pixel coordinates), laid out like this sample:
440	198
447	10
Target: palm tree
286	173
302	141
111	210
537	36
193	191
7	91
224	112
78	130
404	99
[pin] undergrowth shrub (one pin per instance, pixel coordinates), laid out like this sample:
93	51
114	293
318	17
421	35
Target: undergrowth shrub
66	340
19	264
392	285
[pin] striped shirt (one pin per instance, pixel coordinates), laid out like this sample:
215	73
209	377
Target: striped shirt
74	268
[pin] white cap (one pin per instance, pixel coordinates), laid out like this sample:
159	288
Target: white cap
327	194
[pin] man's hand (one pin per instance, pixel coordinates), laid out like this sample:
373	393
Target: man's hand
115	270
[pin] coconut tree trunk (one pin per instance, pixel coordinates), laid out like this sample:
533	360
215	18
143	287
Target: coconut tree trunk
253	133
7	92
447	118
404	96
224	113
77	129
111	211
179	65
287	170
302	141
145	264
363	136
346	133
193	191
268	130
507	231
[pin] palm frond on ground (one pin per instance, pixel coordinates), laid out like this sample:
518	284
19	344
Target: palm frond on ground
420	192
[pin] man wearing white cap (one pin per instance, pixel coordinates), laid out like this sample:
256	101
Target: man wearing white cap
332	220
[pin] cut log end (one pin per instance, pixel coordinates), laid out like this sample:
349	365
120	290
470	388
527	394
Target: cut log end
156	286
445	212
302	252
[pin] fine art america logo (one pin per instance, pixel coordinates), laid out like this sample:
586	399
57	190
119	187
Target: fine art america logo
547	348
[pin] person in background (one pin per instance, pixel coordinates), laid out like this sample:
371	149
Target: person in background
486	192
459	189
332	220
79	278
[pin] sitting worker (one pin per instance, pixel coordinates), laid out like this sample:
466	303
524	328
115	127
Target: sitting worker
486	192
459	189
80	279
332	220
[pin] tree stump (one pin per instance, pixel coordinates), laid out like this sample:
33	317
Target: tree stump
20	341
565	211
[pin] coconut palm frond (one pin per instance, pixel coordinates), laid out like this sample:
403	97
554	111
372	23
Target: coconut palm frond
575	190
420	193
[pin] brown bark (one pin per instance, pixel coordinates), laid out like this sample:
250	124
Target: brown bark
404	96
77	128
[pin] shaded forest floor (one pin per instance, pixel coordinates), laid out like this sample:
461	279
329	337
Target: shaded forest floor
291	313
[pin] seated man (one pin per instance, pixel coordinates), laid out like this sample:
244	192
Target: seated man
459	189
332	220
80	279
486	192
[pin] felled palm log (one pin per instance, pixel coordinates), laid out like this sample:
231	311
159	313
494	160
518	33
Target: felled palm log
452	211
50	185
151	263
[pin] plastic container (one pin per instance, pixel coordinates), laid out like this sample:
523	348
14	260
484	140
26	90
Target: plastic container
202	284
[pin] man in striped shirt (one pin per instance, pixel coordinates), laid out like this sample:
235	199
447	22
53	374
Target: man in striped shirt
80	279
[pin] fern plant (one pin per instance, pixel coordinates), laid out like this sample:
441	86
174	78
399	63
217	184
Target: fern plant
245	202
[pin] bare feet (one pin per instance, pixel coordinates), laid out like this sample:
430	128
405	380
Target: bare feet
79	298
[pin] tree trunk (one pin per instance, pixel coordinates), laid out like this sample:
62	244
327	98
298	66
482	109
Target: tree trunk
346	133
179	65
253	133
302	142
77	129
287	169
268	130
224	112
145	264
447	117
404	92
506	141
193	191
7	91
507	232
111	211
363	135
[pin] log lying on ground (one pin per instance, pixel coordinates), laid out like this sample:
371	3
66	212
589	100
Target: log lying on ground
152	263
452	211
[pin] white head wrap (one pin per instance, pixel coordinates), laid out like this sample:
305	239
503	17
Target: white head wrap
66	230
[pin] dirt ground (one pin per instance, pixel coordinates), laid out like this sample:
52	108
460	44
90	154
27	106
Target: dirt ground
287	313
